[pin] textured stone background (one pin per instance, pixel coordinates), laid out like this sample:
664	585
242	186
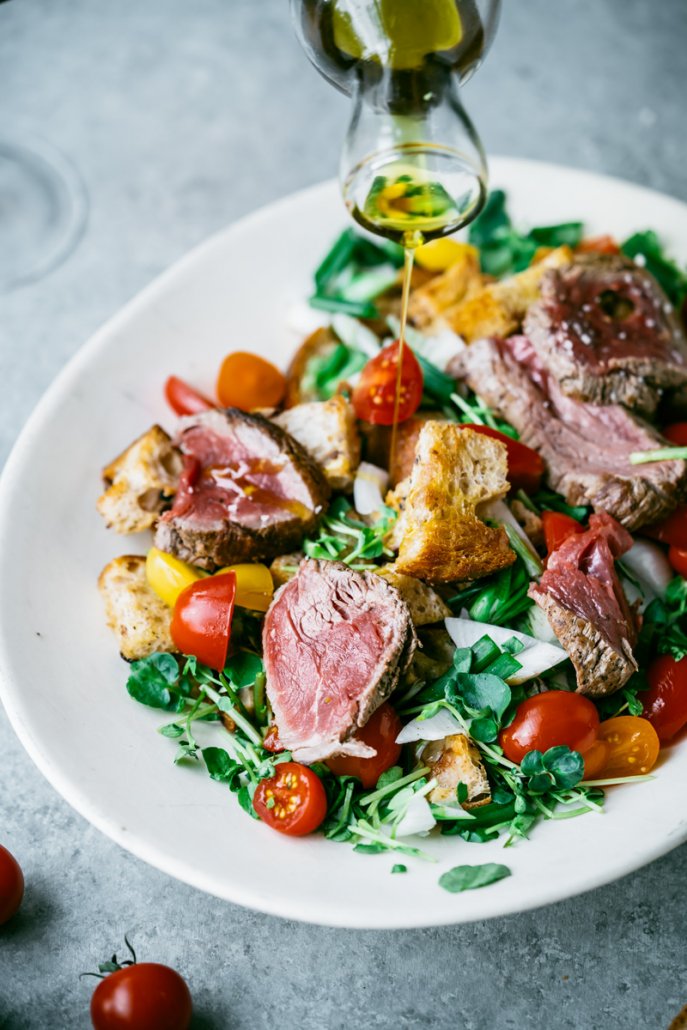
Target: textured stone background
181	115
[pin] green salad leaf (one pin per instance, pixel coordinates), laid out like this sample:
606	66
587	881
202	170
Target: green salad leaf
470	877
646	249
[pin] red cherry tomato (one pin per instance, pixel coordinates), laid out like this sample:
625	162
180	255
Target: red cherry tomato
671	530
633	746
665	702
677	556
201	621
183	399
379	732
143	996
549	720
293	801
374	397
11	885
525	466
676	433
557	528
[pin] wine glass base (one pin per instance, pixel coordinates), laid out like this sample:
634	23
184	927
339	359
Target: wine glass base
43	207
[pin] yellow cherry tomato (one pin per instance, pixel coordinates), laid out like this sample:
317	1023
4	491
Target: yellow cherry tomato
254	586
168	576
438	255
633	746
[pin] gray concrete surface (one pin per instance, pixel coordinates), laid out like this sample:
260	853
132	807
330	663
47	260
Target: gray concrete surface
181	115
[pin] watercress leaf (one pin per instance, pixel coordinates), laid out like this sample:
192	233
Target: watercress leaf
541	783
243	668
219	763
461	792
566	766
150	680
245	800
482	691
172	730
470	877
532	763
485	729
399	868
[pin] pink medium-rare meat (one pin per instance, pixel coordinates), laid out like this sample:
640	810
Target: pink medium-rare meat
248	491
583	599
335	643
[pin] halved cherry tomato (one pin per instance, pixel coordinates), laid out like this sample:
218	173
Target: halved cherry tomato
549	720
595	759
11	885
671	530
168	575
557	528
183	399
374	396
677	556
379	732
254	585
665	702
271	741
633	743
293	801
247	381
201	622
143	995
598	245
676	433
525	466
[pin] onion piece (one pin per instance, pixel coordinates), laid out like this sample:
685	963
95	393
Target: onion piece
438	726
418	818
356	335
368	488
500	512
535	659
648	562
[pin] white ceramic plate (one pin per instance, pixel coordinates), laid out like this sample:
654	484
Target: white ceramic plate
63	682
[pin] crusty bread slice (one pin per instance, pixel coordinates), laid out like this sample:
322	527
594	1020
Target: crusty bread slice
498	309
439	535
455	760
444	291
139	482
327	430
139	619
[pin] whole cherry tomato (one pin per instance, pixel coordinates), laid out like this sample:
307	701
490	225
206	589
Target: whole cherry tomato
598	245
247	381
183	399
142	996
633	743
677	556
374	396
595	759
557	528
380	732
671	530
665	702
201	621
549	720
676	433
11	885
293	801
525	466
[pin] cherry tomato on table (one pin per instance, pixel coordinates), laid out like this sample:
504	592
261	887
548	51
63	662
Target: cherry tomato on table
633	746
665	702
247	381
677	556
374	396
183	399
11	885
525	466
293	801
671	530
142	996
549	720
380	732
557	528
201	621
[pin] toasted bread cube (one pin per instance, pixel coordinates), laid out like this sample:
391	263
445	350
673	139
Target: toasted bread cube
139	482
444	291
498	309
140	620
424	604
440	536
285	567
327	430
455	760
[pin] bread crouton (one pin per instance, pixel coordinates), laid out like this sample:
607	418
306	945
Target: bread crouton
140	620
139	482
441	539
498	309
446	290
285	567
328	432
455	760
424	604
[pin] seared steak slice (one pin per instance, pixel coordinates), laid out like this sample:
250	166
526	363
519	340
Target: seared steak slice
335	643
582	598
248	491
607	332
586	447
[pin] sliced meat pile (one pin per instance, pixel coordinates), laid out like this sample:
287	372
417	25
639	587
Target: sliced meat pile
586	447
582	598
335	643
248	491
607	332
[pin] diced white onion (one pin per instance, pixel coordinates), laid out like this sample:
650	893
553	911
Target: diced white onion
535	659
539	626
355	335
369	487
440	348
417	819
438	726
648	563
